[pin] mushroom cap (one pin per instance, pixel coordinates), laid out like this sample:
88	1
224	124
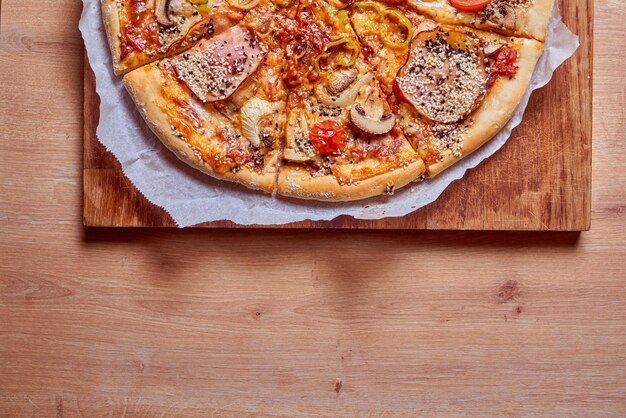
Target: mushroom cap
371	116
163	13
166	9
340	80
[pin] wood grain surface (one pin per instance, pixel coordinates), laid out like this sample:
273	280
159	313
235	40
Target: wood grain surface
162	322
540	180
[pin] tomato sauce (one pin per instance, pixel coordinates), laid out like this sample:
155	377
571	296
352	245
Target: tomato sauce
139	28
502	63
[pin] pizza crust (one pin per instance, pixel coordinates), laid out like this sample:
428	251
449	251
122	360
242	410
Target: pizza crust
531	22
111	18
534	21
295	181
499	104
143	86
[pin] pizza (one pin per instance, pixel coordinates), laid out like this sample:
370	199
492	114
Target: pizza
526	18
327	100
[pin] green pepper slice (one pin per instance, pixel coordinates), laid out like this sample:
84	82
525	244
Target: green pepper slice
401	20
346	43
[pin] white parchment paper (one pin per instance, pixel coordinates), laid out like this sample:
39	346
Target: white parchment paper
192	197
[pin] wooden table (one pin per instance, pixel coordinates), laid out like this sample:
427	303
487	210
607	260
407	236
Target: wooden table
198	322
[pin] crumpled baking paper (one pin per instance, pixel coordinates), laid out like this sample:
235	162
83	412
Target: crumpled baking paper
192	197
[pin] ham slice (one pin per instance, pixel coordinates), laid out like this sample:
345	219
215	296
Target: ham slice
445	77
216	67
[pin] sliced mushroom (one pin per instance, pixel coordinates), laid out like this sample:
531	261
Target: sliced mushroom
162	12
340	81
180	8
252	112
371	116
166	10
491	48
344	98
298	146
501	15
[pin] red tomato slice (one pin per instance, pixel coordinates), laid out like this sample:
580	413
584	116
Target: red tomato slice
469	5
328	138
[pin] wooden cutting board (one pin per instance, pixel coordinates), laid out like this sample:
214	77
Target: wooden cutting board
540	180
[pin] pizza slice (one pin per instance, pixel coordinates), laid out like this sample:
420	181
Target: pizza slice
341	138
525	18
142	31
458	88
385	33
216	108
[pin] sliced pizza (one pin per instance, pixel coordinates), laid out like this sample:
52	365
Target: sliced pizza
325	100
341	138
458	88
385	33
524	18
142	31
212	106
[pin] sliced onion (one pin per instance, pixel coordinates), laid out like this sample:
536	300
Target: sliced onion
347	97
251	114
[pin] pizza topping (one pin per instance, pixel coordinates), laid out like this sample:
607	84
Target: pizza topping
340	53
371	116
500	14
445	77
139	30
347	96
399	23
166	10
469	5
491	48
298	146
502	63
340	81
252	112
328	138
215	68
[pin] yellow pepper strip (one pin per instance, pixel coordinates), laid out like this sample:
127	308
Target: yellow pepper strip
199	1
362	5
403	22
390	14
345	43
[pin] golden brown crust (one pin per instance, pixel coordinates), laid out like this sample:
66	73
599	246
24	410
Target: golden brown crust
295	181
111	18
143	86
499	104
532	22
535	20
